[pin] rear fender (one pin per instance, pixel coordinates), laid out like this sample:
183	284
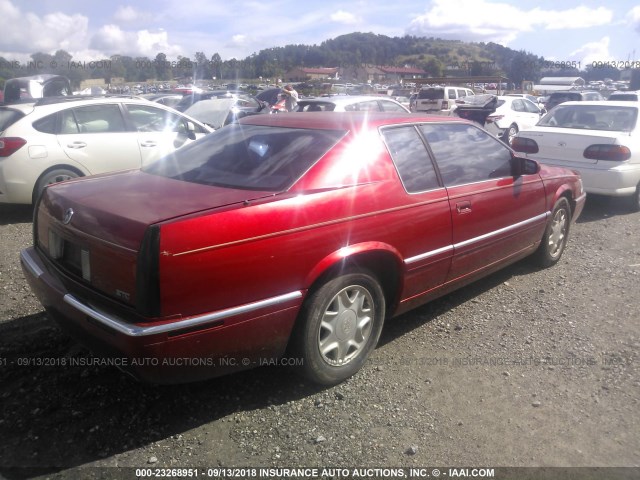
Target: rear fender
373	256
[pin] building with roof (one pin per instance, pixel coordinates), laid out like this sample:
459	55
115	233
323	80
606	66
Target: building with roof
303	74
365	74
555	84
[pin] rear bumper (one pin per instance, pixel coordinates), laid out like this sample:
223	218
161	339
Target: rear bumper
603	179
169	351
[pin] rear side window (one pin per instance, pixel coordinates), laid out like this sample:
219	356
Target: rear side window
248	157
411	159
46	124
466	154
431	94
8	117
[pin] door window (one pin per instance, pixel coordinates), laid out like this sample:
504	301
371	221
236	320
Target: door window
93	119
466	154
391	107
147	118
530	107
517	106
411	159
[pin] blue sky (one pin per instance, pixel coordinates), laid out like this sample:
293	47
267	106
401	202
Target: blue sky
579	30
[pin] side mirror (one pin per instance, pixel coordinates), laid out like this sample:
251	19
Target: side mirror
191	131
523	166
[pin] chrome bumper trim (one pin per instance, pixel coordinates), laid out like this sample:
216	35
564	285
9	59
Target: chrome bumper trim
138	331
28	262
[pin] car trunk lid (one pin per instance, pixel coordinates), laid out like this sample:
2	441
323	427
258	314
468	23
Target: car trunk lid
566	147
95	234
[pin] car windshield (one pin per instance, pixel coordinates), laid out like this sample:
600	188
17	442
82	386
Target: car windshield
248	157
431	94
592	117
8	117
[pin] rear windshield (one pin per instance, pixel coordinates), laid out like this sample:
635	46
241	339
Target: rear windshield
564	97
248	157
431	94
627	97
8	117
592	117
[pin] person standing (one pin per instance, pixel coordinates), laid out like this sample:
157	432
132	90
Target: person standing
291	98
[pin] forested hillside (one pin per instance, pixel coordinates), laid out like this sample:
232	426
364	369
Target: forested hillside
436	56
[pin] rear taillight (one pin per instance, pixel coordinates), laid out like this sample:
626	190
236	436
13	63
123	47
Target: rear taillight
494	118
9	145
613	153
525	145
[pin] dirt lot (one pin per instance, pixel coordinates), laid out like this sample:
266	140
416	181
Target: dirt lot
526	368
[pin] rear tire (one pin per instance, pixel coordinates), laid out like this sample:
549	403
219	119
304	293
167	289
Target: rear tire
509	135
51	177
339	326
555	235
635	200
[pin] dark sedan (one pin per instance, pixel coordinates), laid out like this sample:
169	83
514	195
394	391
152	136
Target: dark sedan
288	238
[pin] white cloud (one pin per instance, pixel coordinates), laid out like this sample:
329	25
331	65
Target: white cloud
113	40
573	18
238	40
45	33
634	18
126	14
480	20
344	17
592	52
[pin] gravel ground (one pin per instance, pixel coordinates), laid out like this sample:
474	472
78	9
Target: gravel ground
527	368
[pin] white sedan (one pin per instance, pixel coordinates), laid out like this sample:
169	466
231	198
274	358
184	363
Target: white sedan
512	115
601	140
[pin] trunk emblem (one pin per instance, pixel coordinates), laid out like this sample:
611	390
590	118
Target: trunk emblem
562	144
67	216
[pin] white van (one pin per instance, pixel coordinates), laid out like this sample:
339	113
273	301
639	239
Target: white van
440	100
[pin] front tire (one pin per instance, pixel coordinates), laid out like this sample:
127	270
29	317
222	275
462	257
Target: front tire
555	235
339	326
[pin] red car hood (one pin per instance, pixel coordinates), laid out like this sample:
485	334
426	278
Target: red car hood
117	208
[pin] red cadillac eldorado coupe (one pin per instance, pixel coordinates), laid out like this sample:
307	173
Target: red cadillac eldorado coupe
291	235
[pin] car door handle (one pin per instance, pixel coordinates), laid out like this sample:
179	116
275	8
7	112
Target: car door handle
463	207
149	143
76	145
